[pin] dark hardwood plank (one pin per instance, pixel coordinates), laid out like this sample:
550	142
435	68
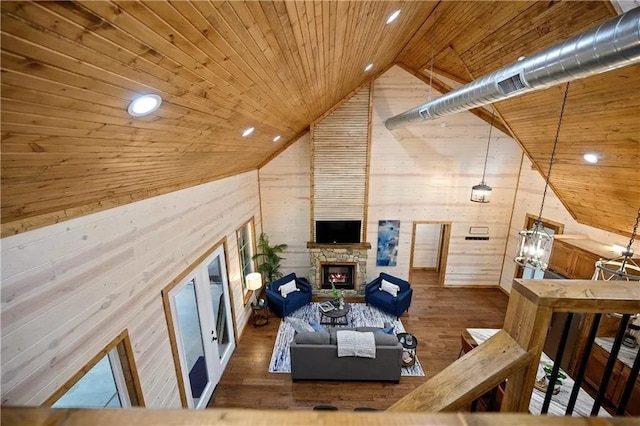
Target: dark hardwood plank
437	317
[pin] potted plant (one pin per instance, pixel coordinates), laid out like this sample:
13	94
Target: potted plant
268	258
543	383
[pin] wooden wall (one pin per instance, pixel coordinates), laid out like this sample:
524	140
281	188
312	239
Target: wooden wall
425	250
285	189
528	199
425	172
339	155
419	173
70	288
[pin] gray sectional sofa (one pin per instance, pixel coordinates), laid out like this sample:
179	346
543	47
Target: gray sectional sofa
314	356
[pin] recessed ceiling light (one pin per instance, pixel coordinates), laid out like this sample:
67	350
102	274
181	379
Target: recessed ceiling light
276	138
248	131
393	16
521	58
368	68
144	105
590	158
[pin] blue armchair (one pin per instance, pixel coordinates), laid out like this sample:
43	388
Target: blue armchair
385	301
283	306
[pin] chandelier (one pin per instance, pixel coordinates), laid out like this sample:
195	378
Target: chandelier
622	268
481	193
535	245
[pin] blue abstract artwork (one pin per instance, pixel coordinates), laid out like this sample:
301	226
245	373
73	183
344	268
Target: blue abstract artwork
388	235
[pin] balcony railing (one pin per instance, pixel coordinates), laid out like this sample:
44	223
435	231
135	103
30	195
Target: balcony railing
511	355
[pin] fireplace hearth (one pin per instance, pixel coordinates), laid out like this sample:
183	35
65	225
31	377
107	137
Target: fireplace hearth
340	274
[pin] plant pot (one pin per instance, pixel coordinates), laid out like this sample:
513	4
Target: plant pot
542	385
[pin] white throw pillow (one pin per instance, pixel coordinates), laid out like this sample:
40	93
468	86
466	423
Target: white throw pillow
287	288
392	289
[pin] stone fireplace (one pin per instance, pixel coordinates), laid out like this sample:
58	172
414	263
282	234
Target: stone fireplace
339	259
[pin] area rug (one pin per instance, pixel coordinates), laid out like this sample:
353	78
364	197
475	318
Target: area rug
360	315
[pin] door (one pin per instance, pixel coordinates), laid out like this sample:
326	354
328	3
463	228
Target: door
430	247
426	248
220	307
201	321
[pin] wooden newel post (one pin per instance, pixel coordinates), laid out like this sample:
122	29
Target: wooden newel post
527	323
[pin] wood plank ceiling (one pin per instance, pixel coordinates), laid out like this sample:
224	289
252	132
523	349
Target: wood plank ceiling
70	69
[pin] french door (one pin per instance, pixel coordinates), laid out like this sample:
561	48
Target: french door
202	325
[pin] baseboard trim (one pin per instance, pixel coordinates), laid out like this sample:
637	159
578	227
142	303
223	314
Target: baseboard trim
504	290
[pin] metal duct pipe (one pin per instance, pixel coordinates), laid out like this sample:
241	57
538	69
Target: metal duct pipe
613	44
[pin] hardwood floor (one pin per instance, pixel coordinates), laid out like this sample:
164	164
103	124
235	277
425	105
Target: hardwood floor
437	317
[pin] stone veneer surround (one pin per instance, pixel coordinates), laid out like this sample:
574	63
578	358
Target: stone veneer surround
341	254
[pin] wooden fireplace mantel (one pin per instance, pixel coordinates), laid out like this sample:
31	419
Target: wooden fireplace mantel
358	246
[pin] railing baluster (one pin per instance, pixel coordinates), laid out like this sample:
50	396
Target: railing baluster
556	365
583	363
628	388
613	356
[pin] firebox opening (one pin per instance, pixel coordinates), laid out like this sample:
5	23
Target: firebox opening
341	275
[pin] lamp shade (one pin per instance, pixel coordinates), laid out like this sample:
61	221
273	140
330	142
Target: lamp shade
481	193
253	281
534	249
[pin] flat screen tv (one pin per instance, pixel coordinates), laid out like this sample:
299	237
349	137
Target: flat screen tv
337	231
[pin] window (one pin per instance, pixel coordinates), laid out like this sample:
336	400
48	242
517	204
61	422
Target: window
552	228
246	251
109	380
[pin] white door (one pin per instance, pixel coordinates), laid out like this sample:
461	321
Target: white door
220	309
202	325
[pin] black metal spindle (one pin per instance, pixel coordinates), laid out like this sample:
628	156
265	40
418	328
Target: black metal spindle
583	363
608	369
556	365
474	405
628	388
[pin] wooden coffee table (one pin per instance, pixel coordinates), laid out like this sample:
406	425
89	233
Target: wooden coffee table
336	316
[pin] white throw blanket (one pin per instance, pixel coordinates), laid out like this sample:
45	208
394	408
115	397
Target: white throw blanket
356	343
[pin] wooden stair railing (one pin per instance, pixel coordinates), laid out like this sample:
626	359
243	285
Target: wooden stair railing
45	416
471	376
518	346
512	354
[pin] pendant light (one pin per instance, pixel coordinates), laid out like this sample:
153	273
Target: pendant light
622	268
535	245
481	193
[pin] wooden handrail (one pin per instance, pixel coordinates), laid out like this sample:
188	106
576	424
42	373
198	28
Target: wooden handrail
515	354
531	306
512	353
41	416
467	378
582	295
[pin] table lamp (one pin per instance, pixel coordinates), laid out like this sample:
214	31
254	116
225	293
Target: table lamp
253	281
